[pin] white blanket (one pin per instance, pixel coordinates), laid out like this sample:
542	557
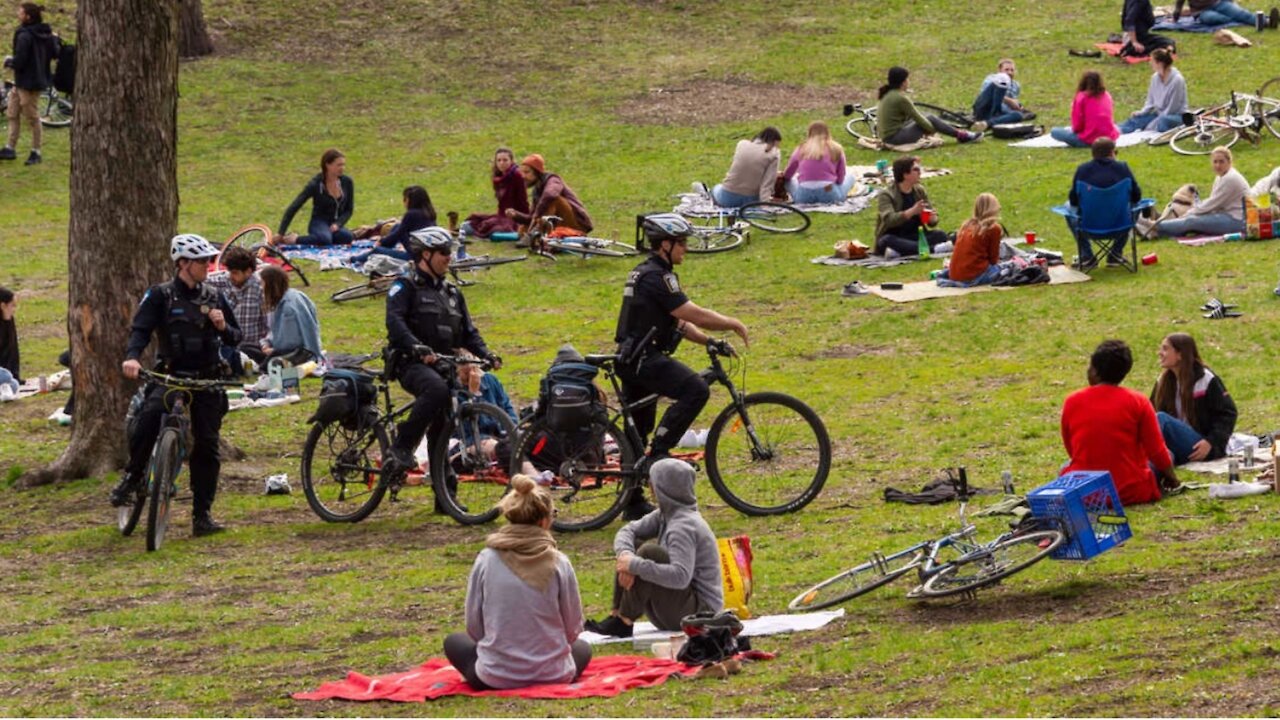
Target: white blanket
645	633
1047	141
698	205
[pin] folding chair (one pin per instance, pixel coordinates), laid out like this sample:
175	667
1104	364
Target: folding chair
1105	220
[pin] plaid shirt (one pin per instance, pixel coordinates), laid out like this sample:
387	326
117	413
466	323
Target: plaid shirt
246	302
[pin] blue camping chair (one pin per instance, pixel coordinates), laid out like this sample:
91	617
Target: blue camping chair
1105	221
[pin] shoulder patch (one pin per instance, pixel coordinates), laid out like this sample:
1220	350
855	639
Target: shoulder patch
672	282
396	287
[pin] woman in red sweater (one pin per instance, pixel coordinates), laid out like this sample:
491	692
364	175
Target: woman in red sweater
508	188
976	259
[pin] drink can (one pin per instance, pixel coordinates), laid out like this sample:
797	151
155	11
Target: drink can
42	384
1030	237
1151	259
882	166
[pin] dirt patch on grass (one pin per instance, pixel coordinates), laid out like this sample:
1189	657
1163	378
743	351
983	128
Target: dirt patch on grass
847	351
731	99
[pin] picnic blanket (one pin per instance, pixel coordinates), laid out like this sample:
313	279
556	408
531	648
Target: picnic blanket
330	257
604	677
924	143
869	175
699	205
60	380
928	289
1047	141
1113	49
1188	24
873	261
752	627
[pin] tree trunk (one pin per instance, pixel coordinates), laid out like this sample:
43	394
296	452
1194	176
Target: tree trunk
124	208
193	34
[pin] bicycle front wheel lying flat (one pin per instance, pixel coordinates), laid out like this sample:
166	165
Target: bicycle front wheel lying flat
586	483
164	470
990	565
591	246
714	240
1269	105
862	126
772	460
876	573
1201	140
470	463
775	217
373	288
341	470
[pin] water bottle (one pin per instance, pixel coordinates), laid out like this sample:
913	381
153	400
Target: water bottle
1233	471
922	245
1006	479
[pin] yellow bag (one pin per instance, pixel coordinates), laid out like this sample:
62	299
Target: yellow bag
735	569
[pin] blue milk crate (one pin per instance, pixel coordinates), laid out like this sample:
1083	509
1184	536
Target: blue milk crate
1089	507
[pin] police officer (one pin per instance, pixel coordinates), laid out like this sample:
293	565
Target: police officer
426	314
655	306
191	321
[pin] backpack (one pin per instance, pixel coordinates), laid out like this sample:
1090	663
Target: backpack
344	395
567	396
64	74
1017	131
712	637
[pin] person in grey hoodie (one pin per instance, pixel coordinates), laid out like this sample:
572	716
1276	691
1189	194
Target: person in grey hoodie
677	571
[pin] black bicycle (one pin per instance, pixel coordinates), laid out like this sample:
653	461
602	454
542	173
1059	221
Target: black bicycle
766	453
167	457
342	473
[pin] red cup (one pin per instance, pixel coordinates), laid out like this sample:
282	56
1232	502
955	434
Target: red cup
928	217
1031	237
1150	259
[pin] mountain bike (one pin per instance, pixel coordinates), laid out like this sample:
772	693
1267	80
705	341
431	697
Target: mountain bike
954	564
54	108
342	473
167	457
540	243
380	283
1223	125
862	121
256	239
766	453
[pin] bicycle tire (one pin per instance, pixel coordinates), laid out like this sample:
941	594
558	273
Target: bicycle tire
796	436
373	288
127	516
583	501
267	250
985	567
864	578
483	481
164	471
1270	94
862	126
484	261
349	462
774	217
603	247
55	110
1196	140
715	241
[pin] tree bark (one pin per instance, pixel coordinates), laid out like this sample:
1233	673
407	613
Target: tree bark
193	34
124	208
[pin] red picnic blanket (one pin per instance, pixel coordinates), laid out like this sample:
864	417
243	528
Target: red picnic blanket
1113	49
604	677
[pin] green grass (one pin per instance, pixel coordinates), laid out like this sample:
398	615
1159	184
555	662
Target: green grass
1178	621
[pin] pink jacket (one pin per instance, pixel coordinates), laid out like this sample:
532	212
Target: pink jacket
1091	117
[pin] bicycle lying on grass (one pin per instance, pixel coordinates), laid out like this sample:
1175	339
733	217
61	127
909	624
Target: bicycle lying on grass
727	228
342	460
972	564
167	457
1244	115
542	243
379	284
862	121
766	452
256	239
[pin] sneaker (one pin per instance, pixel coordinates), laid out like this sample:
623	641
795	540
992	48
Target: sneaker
700	188
34	158
613	626
8	154
1260	21
1171	490
122	494
1085	265
891	254
637	507
942	248
1027	116
204	524
966	137
980	126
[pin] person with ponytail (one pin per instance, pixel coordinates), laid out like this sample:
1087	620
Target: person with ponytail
898	122
523	611
1194	409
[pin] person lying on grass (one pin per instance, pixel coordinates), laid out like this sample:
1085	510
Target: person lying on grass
523	610
1221	213
1108	427
1194	409
668	564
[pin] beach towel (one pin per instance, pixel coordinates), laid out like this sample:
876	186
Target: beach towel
928	289
644	631
1126	140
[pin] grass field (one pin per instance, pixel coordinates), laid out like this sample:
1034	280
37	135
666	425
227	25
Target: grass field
631	101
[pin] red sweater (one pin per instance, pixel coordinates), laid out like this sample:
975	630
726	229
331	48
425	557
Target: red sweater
1107	427
975	251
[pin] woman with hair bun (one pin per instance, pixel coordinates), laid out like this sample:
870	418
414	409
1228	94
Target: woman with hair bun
523	611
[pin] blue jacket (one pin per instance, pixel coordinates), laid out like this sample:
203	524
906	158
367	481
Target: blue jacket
294	325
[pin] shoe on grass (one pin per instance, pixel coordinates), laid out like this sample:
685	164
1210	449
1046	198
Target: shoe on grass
613	626
203	525
122	494
8	154
980	126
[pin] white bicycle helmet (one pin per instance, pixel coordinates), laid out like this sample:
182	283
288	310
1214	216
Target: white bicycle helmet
191	247
665	226
429	238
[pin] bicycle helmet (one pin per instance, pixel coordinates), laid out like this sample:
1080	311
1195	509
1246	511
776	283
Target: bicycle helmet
191	247
429	238
664	226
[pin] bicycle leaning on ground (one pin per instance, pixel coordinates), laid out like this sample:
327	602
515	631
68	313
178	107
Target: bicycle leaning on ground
168	456
540	241
766	452
727	228
342	473
1244	115
380	283
971	564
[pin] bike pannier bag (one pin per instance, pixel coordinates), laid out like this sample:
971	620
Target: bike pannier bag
342	395
569	395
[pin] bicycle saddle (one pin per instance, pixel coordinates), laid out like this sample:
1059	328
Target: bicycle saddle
598	360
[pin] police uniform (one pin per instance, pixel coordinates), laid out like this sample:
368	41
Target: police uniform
651	294
425	310
189	345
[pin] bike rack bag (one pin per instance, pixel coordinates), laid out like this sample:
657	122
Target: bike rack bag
1089	507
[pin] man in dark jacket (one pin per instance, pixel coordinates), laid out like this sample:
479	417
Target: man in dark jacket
1136	19
34	46
1103	171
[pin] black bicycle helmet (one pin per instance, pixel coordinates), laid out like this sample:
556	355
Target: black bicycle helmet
429	238
663	226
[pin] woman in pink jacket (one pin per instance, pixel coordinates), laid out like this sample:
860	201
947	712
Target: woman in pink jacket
1090	114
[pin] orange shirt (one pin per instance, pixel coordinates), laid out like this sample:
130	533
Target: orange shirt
975	251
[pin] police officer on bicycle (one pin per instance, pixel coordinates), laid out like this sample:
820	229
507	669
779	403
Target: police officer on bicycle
426	314
191	321
654	306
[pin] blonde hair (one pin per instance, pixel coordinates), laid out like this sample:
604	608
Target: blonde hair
528	503
986	211
819	143
1224	151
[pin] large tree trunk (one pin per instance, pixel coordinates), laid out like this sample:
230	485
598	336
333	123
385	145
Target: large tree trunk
124	208
193	34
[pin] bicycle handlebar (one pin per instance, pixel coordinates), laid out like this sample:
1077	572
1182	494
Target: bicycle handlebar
182	383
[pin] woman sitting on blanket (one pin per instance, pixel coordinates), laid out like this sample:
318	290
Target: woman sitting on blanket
898	122
976	259
295	329
1136	19
816	173
1166	98
752	172
508	188
899	208
419	213
1194	409
523	611
10	375
1090	114
332	196
1221	213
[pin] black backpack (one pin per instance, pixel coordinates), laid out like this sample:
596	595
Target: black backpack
64	73
1017	131
567	397
345	397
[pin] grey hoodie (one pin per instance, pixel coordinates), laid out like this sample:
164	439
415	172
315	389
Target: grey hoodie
680	529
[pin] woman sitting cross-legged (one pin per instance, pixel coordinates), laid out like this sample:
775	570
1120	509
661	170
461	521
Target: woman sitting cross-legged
1166	97
898	122
1195	411
900	212
1221	213
508	189
752	171
333	199
816	173
976	258
1091	114
523	611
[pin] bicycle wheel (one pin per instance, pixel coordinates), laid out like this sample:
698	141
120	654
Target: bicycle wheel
481	262
1270	105
341	470
1202	138
591	246
373	288
474	454
773	460
715	240
127	516
862	125
164	471
775	217
880	571
585	467
951	117
55	110
268	253
990	565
